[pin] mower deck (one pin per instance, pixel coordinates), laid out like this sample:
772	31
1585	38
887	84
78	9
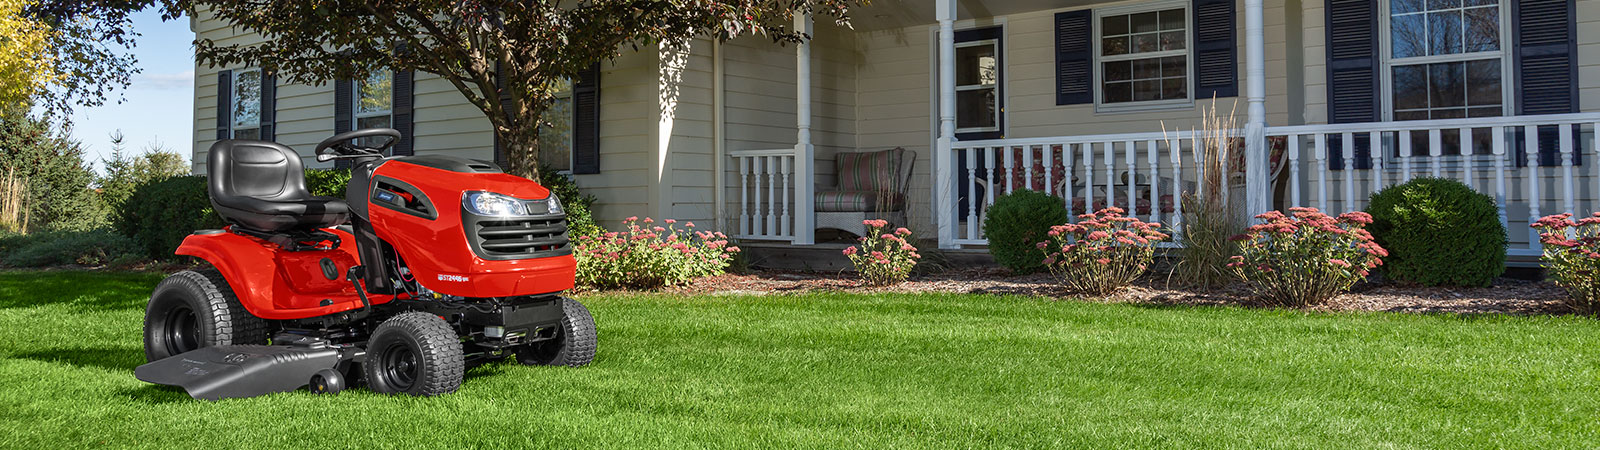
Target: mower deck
237	371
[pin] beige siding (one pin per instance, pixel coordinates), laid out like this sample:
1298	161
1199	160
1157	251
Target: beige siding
629	104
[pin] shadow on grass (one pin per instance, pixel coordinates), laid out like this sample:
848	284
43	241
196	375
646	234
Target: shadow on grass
155	394
95	291
109	358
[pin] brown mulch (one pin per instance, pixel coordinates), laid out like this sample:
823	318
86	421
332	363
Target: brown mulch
1506	296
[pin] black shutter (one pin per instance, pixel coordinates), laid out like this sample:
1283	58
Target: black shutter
1546	56
586	121
269	106
400	112
343	112
1216	49
224	105
1074	57
1352	74
500	156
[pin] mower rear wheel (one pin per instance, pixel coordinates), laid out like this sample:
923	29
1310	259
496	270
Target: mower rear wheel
414	353
575	342
193	309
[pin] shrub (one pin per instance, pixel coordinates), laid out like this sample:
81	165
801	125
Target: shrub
54	248
1439	232
580	219
327	182
649	256
159	215
883	258
1572	257
1102	253
1308	258
1019	220
126	172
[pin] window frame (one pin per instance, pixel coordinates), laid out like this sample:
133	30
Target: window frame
234	126
999	103
355	104
1387	61
571	136
1100	59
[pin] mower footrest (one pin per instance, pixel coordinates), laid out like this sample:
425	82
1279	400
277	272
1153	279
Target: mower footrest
237	371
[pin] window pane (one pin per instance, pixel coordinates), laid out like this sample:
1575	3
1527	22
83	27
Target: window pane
1143	43
375	94
555	137
1114	46
1172	19
372	122
1147	68
1113	25
1447	85
1144	22
1118	70
1495	111
1118	92
1443	4
1483	29
248	133
1444	33
1174	66
1483	82
1174	88
1449	113
1404	6
1146	90
1482	2
1410	87
976	65
247	99
975	108
1172	40
1408	36
1413	115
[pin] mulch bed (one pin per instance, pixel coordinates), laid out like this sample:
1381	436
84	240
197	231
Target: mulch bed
1506	296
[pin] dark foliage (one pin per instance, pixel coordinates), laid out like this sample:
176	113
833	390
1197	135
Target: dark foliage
1017	223
1439	232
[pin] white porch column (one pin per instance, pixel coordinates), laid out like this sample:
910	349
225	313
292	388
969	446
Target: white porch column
944	186
804	152
1258	198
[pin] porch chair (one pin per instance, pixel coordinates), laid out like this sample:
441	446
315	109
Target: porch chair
872	185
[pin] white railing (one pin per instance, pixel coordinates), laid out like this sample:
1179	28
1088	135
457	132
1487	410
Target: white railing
1148	173
767	206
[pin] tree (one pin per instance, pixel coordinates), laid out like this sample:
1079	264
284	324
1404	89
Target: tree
26	65
86	56
126	172
55	176
505	56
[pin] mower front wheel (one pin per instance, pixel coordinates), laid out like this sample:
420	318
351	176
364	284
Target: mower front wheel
414	353
575	342
193	309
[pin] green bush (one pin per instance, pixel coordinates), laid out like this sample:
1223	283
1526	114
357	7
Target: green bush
1017	223
327	182
159	215
55	248
1439	232
580	219
125	172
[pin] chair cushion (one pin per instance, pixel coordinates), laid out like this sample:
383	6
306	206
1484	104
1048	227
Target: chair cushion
859	201
869	171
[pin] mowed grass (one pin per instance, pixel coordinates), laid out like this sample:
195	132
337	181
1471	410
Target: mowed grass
863	371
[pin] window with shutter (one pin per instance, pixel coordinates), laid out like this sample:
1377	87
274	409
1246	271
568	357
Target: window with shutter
245	114
1143	56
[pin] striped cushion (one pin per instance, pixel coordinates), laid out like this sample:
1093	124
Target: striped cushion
859	201
870	171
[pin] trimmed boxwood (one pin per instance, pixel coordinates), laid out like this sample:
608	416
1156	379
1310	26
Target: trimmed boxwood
1017	223
1439	232
159	215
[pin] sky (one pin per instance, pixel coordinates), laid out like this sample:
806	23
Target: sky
158	105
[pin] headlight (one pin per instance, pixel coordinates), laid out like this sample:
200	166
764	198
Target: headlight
555	204
492	204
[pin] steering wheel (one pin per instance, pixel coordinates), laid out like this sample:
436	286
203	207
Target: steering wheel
343	145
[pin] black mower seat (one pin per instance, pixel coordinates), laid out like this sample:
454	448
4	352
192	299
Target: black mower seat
261	185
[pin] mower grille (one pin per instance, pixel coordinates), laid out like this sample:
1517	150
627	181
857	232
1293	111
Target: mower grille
520	238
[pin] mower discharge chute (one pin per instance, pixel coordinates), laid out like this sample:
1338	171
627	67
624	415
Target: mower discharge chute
430	264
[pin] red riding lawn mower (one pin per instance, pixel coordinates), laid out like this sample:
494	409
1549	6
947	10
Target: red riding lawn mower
444	263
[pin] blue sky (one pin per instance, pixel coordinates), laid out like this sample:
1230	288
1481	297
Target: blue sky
158	105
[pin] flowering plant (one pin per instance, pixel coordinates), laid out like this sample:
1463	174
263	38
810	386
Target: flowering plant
1572	254
1103	252
883	258
1306	258
648	256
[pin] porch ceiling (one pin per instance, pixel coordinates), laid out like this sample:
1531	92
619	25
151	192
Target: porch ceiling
889	14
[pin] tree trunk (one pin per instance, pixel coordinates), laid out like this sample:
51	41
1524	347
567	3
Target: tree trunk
521	147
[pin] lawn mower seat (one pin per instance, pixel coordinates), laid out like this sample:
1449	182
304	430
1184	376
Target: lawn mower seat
261	185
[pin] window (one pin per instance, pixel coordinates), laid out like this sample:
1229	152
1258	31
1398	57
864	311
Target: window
1144	56
247	104
1445	60
374	104
978	86
555	134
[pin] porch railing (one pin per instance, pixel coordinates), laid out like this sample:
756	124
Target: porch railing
1333	167
766	194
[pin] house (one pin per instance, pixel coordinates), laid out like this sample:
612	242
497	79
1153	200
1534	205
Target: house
1094	101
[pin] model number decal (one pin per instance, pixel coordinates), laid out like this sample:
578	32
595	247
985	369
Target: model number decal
455	278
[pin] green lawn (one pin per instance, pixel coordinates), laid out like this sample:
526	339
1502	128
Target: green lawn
856	371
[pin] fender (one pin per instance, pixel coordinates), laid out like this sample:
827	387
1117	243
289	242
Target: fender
250	266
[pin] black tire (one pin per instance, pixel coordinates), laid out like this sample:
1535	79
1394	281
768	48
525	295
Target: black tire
193	309
326	382
575	343
414	353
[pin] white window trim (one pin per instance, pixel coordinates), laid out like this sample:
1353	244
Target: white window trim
1388	61
1100	105
355	105
572	137
999	107
233	106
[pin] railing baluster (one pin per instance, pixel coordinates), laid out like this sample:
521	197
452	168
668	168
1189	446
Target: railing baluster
772	196
1405	154
1175	154
760	220
1498	139
1010	174
744	196
1565	132
1111	175
1027	166
972	192
1375	143
784	227
1530	152
1155	180
1088	177
989	170
1071	157
1435	150
1132	178
1320	142
1348	141
1467	177
1049	169
1293	159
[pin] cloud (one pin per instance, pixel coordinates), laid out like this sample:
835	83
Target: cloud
163	81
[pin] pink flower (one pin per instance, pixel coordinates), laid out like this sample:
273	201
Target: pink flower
907	247
631	218
734	249
1049	260
1339	262
1103	260
689	224
1041	245
902	231
649	220
1098	235
848	251
886	236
